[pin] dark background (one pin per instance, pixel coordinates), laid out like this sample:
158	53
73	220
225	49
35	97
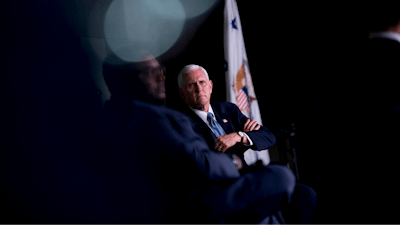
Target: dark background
301	60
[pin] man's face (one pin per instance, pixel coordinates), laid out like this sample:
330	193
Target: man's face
153	77
196	89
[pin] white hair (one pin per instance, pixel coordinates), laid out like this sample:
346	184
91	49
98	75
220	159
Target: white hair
186	70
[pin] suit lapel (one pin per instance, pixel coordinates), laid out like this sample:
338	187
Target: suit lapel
202	127
222	119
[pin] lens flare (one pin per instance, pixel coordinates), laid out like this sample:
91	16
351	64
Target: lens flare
195	8
132	27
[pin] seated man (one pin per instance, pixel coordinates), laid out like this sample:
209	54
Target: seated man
162	171
238	133
226	129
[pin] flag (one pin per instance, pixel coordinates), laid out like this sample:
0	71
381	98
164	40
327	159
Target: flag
240	90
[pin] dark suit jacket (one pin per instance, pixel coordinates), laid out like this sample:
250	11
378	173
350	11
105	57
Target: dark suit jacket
232	120
149	166
173	164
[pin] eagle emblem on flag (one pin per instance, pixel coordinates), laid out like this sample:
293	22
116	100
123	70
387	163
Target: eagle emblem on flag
243	98
239	85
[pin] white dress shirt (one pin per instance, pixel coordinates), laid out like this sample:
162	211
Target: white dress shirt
203	116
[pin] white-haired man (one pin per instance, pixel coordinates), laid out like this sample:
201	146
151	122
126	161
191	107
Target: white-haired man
239	132
227	130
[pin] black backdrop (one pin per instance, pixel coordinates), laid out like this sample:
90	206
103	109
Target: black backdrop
298	54
301	59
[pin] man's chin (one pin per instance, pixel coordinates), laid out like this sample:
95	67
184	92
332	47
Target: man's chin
200	106
162	96
203	103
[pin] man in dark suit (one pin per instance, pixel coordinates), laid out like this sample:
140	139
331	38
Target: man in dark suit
240	133
236	133
164	172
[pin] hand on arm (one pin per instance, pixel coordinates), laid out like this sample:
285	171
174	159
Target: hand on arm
226	141
251	125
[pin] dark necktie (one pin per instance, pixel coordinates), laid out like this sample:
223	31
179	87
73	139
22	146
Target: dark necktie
214	125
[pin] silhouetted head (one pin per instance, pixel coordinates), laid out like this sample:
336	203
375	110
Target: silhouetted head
143	80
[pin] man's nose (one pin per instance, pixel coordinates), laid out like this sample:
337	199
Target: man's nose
198	87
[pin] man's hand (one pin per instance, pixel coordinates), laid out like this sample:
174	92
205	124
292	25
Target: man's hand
251	125
226	141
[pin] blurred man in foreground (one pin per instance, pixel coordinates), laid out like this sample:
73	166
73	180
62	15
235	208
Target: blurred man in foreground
166	171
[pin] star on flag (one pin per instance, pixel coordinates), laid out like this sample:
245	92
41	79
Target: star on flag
234	24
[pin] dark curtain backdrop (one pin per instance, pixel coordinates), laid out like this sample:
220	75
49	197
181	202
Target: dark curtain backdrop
300	58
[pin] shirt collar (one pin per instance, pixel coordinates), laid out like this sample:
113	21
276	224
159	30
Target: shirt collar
202	114
386	34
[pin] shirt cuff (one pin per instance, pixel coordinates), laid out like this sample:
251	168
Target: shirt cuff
248	138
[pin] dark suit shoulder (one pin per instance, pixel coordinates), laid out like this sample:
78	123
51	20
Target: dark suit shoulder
224	106
126	112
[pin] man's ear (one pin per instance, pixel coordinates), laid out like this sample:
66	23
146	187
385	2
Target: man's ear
211	83
181	93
